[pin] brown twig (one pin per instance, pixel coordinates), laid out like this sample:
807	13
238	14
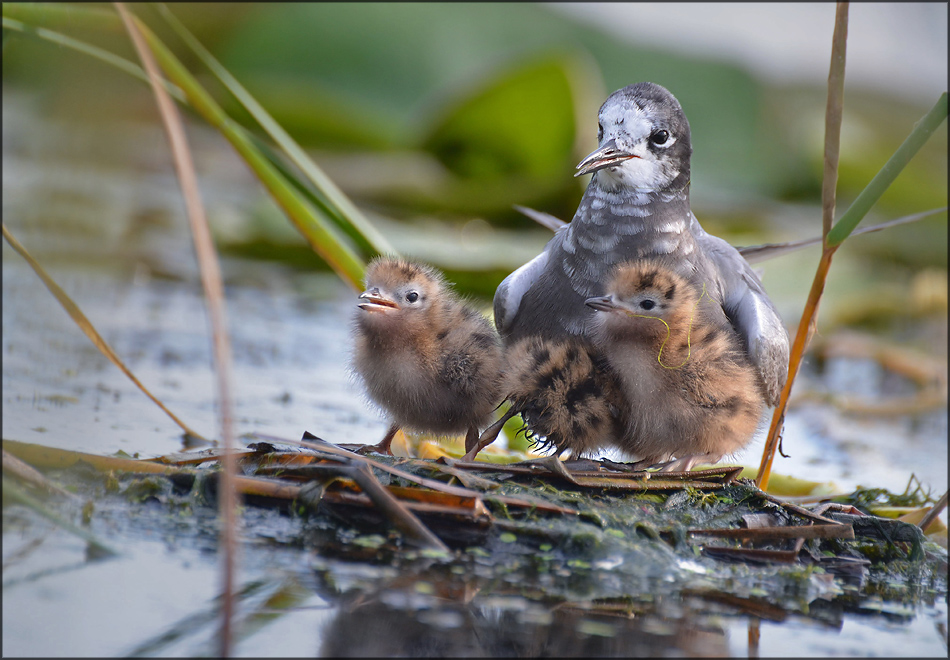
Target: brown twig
31	475
808	322
397	512
86	326
214	297
834	531
931	515
324	446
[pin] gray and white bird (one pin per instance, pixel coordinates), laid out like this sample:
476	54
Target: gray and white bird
636	206
690	388
432	362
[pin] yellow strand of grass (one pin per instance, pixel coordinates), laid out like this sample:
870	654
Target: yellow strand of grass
669	332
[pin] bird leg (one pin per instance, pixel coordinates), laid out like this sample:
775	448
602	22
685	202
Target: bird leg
471	438
686	463
650	461
383	446
487	437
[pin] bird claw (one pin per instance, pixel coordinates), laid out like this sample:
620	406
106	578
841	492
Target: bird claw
686	463
487	437
375	449
382	447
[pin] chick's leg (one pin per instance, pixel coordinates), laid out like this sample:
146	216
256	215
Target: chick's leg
471	438
686	463
651	461
487	437
383	446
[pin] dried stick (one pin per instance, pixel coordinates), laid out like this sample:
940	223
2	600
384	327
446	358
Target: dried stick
214	297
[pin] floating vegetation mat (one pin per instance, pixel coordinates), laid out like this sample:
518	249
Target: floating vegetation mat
588	537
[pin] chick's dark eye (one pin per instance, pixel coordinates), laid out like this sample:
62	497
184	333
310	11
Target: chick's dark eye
647	304
660	137
412	296
600	132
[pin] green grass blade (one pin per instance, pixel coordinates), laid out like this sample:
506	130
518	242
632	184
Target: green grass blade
309	190
120	63
340	208
322	235
62	15
318	228
17	494
869	196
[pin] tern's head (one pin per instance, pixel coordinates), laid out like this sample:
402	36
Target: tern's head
644	299
643	139
399	292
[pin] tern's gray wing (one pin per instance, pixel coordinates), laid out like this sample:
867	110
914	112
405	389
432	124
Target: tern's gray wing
544	219
512	289
753	314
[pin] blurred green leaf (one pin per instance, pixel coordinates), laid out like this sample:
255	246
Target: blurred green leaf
509	137
315	114
386	60
518	123
922	132
317	187
378	75
319	228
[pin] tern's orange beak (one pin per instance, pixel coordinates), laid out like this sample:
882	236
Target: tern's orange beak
601	303
372	300
607	155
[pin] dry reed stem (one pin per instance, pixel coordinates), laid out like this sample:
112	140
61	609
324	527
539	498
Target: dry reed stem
809	320
214	296
931	515
80	319
32	476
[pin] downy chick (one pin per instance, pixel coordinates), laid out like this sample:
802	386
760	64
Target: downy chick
566	393
691	389
428	359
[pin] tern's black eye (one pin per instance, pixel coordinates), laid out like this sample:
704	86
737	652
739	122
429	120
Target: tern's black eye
412	297
660	137
600	132
647	304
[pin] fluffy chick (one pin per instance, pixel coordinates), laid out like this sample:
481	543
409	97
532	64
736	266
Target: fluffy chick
566	394
691	390
428	359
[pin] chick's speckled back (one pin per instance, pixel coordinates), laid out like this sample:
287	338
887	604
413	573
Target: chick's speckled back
566	394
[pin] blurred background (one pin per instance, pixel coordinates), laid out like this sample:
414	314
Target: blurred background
436	118
452	112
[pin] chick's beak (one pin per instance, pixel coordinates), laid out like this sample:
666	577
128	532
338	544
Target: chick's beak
601	303
372	300
609	154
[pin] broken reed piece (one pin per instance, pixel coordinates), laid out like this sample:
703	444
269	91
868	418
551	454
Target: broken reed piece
639	480
756	555
836	531
753	606
318	445
931	515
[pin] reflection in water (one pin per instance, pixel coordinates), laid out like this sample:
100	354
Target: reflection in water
376	629
403	622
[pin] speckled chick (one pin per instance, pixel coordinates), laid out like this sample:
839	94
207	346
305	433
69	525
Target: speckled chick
566	393
431	361
691	389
